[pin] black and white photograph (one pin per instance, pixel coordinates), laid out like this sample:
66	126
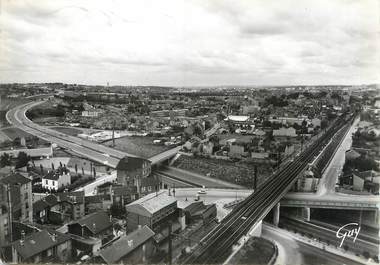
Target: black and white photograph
185	132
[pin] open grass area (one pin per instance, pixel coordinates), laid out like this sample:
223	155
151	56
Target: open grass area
13	133
138	145
240	173
68	130
258	251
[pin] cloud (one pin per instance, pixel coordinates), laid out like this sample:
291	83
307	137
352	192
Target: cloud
178	42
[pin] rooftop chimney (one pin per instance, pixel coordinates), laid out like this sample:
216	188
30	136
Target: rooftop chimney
130	243
54	237
22	240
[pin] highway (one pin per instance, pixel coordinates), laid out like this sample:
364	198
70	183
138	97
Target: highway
295	252
329	235
216	247
94	151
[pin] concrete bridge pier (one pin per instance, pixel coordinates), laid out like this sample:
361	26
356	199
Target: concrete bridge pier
306	213
276	214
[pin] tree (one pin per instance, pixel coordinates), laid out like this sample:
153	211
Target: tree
5	160
42	169
324	124
207	125
22	159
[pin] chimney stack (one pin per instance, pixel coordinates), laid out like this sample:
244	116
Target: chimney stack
22	240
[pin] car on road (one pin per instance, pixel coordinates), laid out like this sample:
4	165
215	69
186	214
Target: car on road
202	190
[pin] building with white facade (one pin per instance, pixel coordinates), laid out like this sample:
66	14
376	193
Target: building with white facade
56	179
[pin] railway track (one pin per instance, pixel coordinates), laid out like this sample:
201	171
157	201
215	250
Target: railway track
217	245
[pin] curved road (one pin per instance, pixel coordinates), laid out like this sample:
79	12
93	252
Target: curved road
93	151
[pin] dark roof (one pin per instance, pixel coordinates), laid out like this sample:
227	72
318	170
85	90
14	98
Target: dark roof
38	242
131	163
39	206
124	190
55	174
125	244
150	181
75	197
50	199
97	198
15	178
44	203
95	222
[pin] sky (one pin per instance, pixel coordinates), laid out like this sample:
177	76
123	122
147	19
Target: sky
190	43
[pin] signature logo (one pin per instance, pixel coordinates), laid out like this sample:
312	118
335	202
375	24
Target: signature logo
348	230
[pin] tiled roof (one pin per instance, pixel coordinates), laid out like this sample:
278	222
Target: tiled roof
75	197
123	190
15	178
97	198
153	202
38	242
131	163
125	245
95	222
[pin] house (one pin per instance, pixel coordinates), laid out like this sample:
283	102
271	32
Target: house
236	151
208	148
134	248
90	232
156	210
148	185
316	122
71	206
357	182
90	113
246	110
123	195
99	202
56	179
17	189
197	211
41	208
285	132
42	247
130	171
4	225
97	224
352	154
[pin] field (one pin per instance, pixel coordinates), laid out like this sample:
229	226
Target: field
138	145
13	133
68	130
5	105
240	173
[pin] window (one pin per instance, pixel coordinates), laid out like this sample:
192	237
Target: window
49	252
46	182
150	188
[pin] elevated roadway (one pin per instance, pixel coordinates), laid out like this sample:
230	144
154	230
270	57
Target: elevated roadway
91	150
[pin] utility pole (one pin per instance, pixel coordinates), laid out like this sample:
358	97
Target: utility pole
113	133
10	212
255	178
170	244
